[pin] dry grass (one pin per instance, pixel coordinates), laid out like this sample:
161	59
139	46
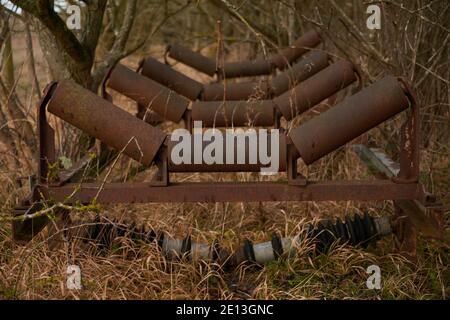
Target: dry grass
129	271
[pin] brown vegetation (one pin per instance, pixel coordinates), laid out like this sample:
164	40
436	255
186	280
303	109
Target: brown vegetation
414	42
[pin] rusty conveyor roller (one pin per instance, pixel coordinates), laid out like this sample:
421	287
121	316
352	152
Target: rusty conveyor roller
192	59
101	119
315	89
311	64
234	113
148	93
236	91
171	106
247	68
237	159
312	140
303	69
349	119
287	56
171	78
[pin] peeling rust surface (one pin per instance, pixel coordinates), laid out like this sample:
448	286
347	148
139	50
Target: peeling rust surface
316	89
108	123
287	56
311	64
171	78
250	68
192	59
234	113
349	119
236	91
146	92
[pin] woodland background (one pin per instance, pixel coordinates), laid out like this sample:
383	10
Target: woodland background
37	47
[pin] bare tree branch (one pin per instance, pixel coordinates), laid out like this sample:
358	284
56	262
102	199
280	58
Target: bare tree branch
117	51
43	10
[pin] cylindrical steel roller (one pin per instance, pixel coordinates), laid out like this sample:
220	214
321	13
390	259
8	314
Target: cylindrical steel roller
315	89
240	160
247	68
311	64
236	91
167	76
106	122
287	56
192	59
149	93
349	119
234	113
149	116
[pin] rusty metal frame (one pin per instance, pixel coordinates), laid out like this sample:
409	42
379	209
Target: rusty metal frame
296	188
401	188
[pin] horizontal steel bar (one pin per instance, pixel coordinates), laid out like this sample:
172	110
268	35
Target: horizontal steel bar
235	192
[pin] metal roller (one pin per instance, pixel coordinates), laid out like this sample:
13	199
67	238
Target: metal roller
287	56
192	59
311	64
236	91
106	122
247	68
172	79
236	165
148	93
149	116
315	89
349	119
234	113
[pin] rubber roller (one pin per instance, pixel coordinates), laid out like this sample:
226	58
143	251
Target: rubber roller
356	231
148	93
234	113
108	123
192	59
172	79
349	119
287	56
315	89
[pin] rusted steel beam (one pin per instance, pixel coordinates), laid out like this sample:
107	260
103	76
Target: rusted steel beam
234	113
300	46
233	192
250	68
192	59
172	79
316	88
110	124
349	119
146	92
